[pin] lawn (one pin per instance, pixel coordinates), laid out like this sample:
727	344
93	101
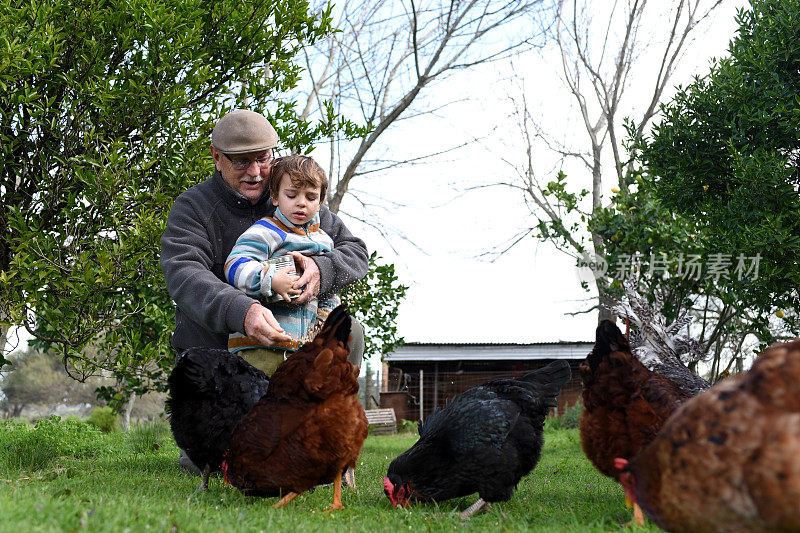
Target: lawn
66	476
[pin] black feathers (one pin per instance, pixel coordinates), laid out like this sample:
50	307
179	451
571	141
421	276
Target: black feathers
483	441
210	390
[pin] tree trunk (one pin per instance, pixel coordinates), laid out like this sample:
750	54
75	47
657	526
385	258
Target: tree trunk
4	329
126	418
603	311
367	387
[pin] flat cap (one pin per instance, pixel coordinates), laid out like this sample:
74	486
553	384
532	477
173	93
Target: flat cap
242	131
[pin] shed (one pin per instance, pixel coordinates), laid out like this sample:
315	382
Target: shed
418	377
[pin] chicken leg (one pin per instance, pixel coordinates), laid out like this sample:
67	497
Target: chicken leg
638	514
474	508
337	494
286	499
204	483
481	505
350	477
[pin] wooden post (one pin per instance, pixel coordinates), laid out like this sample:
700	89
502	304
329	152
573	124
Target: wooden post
421	396
367	387
435	385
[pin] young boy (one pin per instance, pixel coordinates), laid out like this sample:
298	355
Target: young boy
297	186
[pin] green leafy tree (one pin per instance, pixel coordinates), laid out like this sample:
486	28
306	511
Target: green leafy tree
375	300
726	156
667	253
643	222
106	111
643	240
35	381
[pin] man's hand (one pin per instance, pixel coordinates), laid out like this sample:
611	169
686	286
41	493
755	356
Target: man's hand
260	324
310	278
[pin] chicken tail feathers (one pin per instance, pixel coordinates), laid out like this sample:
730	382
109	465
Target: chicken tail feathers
556	373
337	325
210	374
608	339
194	370
549	379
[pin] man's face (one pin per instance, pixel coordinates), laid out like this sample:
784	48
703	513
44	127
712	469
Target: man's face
251	181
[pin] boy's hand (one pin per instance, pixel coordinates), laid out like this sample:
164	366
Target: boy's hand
310	277
282	283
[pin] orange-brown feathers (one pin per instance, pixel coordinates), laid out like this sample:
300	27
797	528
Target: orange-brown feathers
625	404
309	427
729	458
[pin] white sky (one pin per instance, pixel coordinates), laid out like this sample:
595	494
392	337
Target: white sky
455	295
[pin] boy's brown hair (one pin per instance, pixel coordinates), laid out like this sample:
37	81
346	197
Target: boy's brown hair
302	170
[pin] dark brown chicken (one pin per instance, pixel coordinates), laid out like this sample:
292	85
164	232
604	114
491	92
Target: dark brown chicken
309	428
729	458
624	403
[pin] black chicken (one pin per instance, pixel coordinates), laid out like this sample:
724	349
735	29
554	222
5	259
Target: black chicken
210	390
483	441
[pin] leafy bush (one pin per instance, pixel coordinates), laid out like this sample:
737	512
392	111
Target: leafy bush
34	447
104	418
569	418
408	426
146	438
374	300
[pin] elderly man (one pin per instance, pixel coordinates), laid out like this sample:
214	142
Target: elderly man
205	222
203	226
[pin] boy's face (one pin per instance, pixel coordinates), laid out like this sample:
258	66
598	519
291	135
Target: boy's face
298	204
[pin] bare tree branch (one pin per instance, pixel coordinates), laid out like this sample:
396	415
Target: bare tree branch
599	51
391	52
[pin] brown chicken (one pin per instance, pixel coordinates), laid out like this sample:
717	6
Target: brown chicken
728	459
624	403
309	428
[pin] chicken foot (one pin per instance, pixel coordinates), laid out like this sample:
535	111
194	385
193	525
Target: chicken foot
481	505
204	483
285	500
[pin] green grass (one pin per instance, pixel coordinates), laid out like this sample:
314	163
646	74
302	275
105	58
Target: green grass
92	481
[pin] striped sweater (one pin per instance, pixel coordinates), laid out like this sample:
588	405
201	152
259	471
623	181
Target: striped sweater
272	237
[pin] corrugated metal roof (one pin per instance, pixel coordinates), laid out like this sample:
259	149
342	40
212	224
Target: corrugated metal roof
489	351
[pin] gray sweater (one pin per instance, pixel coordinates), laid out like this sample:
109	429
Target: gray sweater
202	227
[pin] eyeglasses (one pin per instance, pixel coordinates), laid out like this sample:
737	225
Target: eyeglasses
244	164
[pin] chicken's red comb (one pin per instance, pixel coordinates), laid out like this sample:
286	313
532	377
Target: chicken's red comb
387	485
224	468
620	463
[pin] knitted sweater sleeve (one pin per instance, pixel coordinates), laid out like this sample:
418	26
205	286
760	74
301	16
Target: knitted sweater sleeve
187	259
347	262
243	268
